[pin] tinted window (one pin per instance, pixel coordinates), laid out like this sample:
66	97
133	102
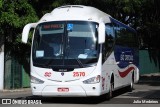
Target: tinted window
124	36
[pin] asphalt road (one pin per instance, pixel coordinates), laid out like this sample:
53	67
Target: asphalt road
143	94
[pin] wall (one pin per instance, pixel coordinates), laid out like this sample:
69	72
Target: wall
1	67
15	76
149	61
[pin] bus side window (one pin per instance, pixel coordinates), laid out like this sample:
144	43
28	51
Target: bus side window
109	40
124	36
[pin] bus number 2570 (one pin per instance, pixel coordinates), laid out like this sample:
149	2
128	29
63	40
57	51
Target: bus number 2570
78	74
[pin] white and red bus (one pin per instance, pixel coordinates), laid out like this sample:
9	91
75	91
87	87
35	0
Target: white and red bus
81	51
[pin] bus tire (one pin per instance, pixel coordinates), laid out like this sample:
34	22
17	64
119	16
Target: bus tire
130	88
110	93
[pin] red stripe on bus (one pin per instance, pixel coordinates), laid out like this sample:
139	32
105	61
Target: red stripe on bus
125	73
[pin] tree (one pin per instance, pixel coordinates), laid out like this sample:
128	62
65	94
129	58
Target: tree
14	15
150	24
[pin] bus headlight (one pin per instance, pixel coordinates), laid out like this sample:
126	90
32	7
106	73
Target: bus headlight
92	80
36	80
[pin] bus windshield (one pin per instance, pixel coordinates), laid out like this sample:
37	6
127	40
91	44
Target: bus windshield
65	44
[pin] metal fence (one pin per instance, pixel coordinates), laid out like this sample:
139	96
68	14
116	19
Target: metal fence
15	76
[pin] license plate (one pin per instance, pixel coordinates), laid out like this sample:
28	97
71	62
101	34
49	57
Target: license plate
63	89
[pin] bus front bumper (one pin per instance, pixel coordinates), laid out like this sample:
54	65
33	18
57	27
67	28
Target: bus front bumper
66	91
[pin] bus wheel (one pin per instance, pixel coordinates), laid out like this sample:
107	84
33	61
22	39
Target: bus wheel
130	88
110	93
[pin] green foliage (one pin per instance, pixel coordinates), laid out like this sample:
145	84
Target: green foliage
0	4
14	15
17	13
150	24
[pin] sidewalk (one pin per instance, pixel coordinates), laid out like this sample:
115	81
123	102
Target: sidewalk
15	93
155	77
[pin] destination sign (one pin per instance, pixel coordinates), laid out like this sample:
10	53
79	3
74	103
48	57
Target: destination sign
52	26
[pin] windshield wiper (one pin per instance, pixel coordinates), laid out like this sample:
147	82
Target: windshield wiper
80	63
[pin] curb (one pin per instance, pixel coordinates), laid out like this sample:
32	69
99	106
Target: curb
15	90
149	78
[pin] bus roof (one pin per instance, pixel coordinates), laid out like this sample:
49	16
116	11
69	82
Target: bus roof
80	12
76	12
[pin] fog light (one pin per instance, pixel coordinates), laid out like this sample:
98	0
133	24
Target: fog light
93	88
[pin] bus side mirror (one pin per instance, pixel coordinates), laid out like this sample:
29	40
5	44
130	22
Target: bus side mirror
26	30
101	33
